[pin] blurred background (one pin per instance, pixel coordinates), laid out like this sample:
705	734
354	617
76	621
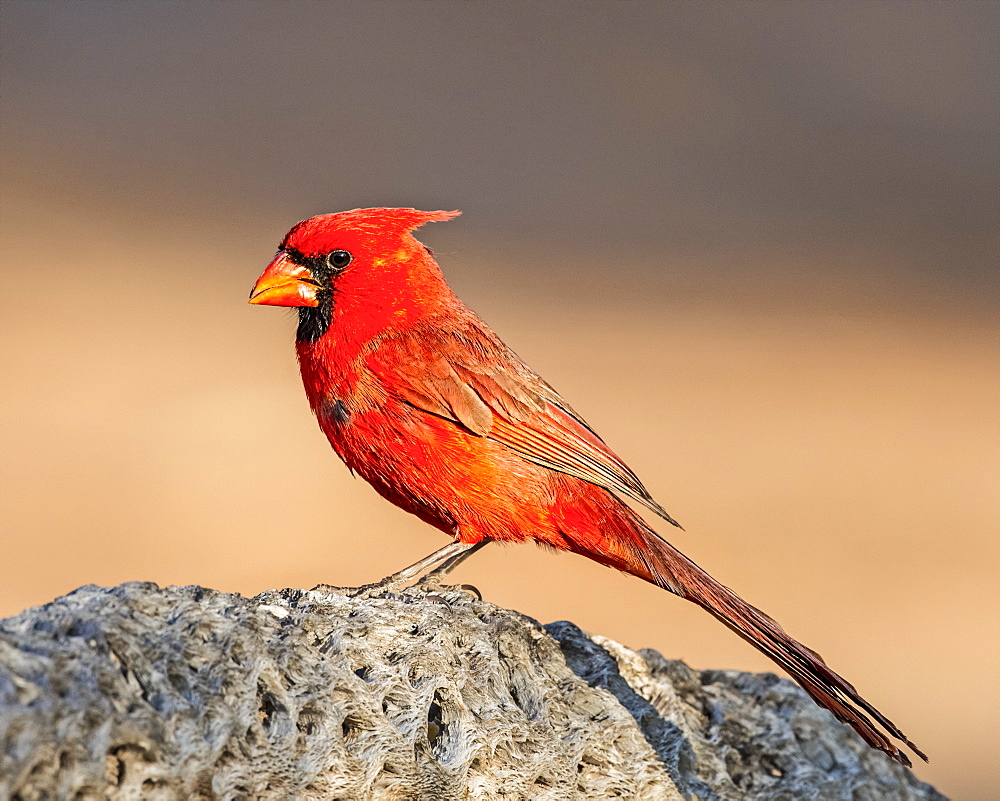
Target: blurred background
754	244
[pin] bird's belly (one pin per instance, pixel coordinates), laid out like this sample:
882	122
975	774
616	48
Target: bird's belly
466	485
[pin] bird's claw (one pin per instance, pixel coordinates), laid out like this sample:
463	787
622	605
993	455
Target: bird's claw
364	591
431	580
389	584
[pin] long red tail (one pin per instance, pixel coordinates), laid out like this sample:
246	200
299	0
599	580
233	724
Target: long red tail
642	553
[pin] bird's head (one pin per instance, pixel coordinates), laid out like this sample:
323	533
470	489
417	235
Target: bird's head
361	259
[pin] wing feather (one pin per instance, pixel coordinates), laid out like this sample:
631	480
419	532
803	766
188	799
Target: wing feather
466	374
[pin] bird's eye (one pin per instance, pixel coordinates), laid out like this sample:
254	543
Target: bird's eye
338	259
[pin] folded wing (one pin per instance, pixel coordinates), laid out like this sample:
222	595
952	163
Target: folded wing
467	375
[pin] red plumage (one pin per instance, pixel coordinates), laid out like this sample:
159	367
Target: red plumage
419	397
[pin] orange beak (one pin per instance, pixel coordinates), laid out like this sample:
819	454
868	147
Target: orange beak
285	283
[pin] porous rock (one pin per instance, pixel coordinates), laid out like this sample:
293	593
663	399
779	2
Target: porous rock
138	692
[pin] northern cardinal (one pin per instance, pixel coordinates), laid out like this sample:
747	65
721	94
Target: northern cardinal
419	397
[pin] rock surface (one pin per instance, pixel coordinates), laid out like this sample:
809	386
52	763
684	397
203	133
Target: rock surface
138	692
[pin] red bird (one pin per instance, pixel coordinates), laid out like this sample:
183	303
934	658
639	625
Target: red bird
419	397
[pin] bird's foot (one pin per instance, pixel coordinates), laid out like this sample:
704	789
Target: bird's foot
432	581
426	584
440	563
388	584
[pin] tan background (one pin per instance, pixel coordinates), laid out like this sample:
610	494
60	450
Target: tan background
754	245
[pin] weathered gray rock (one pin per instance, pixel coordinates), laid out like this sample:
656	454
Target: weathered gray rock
137	692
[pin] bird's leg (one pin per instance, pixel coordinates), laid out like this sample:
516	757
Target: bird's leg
452	562
439	560
436	560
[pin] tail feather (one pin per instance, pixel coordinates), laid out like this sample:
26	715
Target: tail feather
824	685
641	552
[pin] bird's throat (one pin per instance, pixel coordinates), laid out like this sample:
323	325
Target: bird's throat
314	321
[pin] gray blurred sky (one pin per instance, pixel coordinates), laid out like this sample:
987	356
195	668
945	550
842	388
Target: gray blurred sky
610	127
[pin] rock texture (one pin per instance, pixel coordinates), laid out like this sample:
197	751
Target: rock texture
138	692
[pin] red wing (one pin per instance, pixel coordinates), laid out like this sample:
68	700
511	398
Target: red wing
469	376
